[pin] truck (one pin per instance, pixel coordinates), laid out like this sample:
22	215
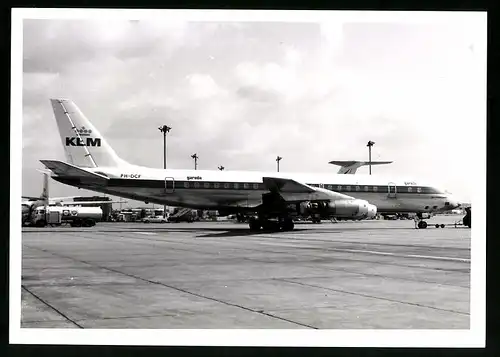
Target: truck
57	215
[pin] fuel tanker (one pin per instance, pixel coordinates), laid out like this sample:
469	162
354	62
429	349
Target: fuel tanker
77	216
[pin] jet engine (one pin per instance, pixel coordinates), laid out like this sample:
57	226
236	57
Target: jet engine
357	209
352	209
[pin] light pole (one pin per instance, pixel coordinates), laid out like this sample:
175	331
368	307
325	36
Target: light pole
221	167
278	159
370	144
164	129
195	157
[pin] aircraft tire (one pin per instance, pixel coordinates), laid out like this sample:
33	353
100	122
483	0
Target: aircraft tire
288	224
254	224
422	225
270	225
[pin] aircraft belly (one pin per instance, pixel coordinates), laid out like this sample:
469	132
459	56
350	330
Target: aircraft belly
198	197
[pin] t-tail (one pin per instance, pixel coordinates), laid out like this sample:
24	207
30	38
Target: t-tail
83	145
45	190
351	166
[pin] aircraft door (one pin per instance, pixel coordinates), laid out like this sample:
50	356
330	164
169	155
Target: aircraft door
391	190
169	185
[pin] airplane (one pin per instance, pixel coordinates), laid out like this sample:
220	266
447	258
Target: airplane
30	203
272	198
351	166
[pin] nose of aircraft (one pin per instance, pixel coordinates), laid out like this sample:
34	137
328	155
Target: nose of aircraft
451	203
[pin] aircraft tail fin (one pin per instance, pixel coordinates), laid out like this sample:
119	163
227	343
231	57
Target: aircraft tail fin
83	145
351	166
45	189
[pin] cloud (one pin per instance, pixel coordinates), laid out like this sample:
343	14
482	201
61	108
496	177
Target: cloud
202	86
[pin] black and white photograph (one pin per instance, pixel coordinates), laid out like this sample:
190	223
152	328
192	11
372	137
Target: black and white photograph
246	177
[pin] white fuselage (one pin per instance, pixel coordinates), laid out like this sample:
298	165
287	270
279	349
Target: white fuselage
204	189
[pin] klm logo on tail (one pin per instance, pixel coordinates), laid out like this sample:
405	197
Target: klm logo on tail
78	141
74	141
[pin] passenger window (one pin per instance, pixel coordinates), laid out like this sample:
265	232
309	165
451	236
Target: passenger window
366	188
339	188
348	188
255	186
216	185
196	184
236	185
226	185
186	184
245	185
375	188
206	185
419	189
357	188
410	189
330	187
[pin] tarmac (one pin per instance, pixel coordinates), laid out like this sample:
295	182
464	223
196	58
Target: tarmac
219	275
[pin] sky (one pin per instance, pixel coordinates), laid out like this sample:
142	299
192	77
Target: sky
241	93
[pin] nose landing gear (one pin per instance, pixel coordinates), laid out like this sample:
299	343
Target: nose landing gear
420	224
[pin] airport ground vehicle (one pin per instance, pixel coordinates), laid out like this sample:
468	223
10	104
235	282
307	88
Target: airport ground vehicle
155	219
74	216
269	198
183	215
73	212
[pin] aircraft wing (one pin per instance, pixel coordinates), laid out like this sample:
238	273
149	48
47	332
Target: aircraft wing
62	198
76	203
294	191
276	185
64	169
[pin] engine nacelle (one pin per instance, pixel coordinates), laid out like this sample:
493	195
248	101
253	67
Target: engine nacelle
358	209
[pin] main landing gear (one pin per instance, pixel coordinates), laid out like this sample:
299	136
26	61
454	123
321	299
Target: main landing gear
282	224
